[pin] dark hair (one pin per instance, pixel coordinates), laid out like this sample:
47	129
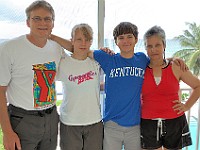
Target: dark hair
40	4
155	30
125	28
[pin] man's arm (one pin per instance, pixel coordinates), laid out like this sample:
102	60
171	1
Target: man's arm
68	46
63	42
10	138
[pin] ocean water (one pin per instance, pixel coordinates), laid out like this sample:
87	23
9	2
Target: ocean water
172	46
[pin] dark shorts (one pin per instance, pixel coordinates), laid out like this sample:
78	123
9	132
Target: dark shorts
169	133
36	129
88	137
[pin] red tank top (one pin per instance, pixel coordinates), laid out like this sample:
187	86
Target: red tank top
157	100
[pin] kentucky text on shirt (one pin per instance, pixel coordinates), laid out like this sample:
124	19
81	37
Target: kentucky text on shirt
127	71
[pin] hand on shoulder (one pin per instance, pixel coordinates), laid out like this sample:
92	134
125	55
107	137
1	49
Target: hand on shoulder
180	62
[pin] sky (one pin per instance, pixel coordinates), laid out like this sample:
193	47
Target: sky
171	15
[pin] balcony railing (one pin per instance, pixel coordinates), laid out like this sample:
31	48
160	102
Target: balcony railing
194	112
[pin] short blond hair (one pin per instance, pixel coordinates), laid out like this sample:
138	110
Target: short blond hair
86	30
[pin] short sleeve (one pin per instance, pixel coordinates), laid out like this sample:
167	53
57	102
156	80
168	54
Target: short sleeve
5	66
102	58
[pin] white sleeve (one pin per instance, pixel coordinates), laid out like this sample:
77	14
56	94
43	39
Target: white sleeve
5	66
62	66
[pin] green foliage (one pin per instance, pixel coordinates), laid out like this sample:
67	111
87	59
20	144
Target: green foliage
58	102
191	54
184	96
1	140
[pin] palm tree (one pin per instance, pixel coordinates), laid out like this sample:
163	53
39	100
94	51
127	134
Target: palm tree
190	40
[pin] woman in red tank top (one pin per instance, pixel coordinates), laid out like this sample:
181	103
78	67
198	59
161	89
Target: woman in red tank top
163	123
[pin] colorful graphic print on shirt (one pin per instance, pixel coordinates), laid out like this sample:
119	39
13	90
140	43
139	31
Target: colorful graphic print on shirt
82	78
44	84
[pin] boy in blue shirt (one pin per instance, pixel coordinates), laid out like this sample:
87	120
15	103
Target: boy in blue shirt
124	77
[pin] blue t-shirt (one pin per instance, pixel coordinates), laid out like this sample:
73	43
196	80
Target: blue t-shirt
123	84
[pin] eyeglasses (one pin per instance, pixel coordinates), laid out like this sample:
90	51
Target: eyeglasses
39	19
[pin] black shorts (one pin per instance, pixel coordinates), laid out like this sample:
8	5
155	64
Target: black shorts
169	133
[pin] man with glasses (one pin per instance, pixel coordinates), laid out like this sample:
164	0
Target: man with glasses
28	66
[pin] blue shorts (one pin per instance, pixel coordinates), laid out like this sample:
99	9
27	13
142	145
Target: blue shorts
169	133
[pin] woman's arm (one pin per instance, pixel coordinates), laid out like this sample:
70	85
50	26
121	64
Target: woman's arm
63	42
191	80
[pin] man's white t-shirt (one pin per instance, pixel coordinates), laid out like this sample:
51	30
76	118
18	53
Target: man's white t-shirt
29	72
